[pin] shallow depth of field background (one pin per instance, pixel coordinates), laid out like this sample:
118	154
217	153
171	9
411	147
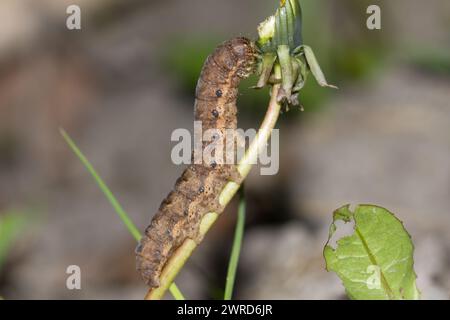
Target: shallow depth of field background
123	83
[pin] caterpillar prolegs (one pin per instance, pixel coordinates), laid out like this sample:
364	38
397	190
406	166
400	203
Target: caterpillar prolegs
197	191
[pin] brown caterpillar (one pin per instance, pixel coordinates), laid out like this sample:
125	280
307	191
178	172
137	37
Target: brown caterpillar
197	191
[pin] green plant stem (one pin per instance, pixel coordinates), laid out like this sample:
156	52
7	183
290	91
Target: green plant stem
175	292
113	201
178	259
237	244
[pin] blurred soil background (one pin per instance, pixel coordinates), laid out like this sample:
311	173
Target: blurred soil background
122	84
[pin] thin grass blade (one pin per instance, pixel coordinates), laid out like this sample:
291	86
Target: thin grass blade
236	249
113	201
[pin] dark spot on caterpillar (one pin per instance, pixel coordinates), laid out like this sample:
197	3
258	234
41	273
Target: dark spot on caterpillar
215	136
195	193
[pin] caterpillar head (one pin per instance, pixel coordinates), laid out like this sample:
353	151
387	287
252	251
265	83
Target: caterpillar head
245	50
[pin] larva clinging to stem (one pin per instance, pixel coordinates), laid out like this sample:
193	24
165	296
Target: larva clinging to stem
197	191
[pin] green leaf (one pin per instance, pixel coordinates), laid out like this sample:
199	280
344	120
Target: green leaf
376	261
